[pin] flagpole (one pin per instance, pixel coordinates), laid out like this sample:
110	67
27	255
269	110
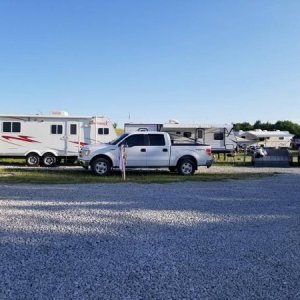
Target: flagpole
122	161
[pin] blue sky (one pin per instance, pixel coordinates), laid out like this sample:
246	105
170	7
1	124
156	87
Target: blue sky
191	60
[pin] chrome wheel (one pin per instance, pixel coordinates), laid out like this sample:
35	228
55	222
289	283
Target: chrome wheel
49	160
101	167
32	160
186	167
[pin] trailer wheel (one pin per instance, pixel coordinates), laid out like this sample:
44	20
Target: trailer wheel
49	160
101	167
186	167
32	160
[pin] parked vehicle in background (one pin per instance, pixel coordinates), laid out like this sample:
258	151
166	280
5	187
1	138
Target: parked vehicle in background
220	137
46	139
146	150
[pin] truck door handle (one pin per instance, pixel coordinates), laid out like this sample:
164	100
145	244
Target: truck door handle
143	150
165	150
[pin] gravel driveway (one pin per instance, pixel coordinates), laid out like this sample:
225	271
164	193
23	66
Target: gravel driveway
193	240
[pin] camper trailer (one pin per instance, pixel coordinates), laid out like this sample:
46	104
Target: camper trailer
220	137
46	139
269	139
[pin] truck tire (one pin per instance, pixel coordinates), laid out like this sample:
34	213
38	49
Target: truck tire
49	160
186	167
101	167
172	169
32	160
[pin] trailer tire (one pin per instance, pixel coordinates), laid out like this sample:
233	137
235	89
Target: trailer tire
32	160
101	167
186	167
49	160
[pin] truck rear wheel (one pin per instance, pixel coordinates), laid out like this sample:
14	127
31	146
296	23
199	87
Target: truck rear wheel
186	167
32	160
101	167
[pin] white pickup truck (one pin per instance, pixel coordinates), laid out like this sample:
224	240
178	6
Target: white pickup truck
146	150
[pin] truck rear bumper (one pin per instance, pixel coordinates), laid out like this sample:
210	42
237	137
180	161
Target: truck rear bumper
209	162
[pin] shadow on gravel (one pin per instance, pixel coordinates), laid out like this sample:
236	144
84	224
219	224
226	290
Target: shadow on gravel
187	240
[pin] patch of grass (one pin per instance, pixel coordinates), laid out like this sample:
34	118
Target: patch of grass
52	176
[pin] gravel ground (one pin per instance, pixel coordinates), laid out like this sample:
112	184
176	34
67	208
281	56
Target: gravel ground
192	240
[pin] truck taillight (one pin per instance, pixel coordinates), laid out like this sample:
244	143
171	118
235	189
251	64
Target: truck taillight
208	151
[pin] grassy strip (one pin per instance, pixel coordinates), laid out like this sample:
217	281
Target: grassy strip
10	175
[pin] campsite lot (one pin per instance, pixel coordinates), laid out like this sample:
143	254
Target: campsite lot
190	240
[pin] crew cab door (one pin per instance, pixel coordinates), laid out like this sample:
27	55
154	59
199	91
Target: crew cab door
136	150
158	152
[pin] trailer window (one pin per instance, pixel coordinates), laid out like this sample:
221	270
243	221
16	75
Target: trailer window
102	131
200	134
11	127
56	129
187	134
218	136
156	140
73	129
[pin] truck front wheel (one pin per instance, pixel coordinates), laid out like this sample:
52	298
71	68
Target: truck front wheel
101	167
186	167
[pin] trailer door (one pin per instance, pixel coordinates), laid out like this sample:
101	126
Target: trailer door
57	138
73	138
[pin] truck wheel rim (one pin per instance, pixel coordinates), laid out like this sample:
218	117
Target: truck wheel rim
101	168
187	168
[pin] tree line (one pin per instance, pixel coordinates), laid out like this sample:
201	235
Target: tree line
293	128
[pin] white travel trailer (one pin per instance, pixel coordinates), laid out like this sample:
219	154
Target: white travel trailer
47	139
265	138
220	137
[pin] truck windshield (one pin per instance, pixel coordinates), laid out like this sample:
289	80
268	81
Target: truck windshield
118	139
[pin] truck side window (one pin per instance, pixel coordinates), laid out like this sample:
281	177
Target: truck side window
156	140
135	140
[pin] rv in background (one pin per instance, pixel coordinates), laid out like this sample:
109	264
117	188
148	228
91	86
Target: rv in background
46	139
220	137
268	139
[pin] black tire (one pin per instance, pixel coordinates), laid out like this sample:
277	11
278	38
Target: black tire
186	167
49	160
32	160
101	167
173	169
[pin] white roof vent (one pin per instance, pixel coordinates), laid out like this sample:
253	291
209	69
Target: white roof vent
59	113
172	121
